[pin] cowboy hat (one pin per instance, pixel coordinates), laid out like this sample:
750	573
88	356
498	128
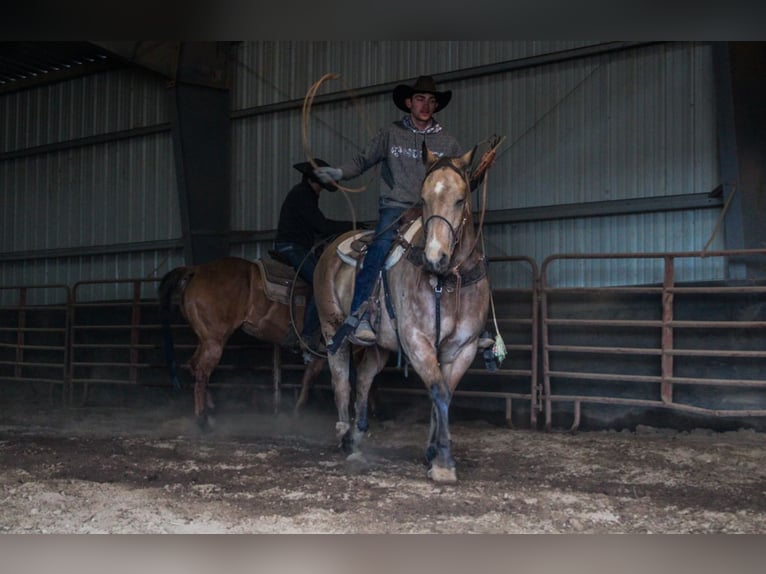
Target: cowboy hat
308	171
423	85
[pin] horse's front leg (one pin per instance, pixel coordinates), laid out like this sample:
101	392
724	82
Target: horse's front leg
339	369
439	449
426	363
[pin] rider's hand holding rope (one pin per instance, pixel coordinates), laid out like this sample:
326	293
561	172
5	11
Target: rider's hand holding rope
487	160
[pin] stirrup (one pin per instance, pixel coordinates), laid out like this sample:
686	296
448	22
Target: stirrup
346	328
363	342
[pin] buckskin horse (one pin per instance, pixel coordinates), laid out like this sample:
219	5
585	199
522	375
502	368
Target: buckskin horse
221	296
434	305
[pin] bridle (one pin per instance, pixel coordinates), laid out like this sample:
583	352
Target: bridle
456	236
455	233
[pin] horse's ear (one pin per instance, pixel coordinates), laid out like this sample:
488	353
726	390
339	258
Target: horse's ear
465	160
429	158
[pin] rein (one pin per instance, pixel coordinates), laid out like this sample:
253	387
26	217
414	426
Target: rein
461	278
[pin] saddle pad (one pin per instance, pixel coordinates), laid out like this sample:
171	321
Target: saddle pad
277	280
349	255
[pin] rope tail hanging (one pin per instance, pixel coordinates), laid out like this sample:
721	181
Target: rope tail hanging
498	349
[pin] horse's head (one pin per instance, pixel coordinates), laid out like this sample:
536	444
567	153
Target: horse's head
445	194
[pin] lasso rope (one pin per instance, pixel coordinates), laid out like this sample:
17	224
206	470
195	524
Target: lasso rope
499	348
307	101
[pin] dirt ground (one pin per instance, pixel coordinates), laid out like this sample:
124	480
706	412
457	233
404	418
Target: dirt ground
132	470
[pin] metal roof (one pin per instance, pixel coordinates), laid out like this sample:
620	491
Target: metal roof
24	64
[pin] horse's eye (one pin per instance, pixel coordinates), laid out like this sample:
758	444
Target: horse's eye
459	203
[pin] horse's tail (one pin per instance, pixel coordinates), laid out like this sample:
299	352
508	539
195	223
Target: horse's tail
171	286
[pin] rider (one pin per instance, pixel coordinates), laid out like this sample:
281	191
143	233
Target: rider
399	147
301	225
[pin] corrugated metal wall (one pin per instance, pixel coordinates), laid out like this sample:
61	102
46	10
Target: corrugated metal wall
102	195
266	145
629	124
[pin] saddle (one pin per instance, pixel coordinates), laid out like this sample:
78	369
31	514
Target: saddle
352	249
278	278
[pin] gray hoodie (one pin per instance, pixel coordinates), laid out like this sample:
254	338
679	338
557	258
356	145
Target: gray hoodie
399	147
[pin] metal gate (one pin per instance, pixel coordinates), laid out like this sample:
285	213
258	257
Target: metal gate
34	334
693	347
116	340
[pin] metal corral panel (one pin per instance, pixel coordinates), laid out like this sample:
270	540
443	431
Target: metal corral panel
70	270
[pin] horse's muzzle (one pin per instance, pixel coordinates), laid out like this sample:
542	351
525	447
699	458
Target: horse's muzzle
438	264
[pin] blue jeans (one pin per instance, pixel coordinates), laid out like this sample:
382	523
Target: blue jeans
304	261
375	258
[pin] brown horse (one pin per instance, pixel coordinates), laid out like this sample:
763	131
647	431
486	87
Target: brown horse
439	294
219	297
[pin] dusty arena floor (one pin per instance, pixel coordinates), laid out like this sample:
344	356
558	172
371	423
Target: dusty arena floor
128	470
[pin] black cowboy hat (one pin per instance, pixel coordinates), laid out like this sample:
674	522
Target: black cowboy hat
308	171
423	85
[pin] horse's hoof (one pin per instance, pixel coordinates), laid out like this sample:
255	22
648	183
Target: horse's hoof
356	456
347	444
357	463
205	423
442	475
341	430
431	453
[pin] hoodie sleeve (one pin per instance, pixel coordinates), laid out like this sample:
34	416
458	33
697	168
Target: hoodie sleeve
373	153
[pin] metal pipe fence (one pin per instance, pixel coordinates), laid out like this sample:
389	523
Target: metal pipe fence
112	336
34	337
693	347
674	346
119	341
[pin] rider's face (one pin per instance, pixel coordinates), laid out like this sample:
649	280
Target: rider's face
422	107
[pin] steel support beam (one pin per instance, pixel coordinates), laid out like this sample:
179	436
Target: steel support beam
200	109
740	69
458	75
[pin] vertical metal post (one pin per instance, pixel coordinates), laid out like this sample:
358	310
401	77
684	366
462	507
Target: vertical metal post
201	131
66	398
277	377
536	391
666	387
22	323
546	355
740	76
135	321
71	344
